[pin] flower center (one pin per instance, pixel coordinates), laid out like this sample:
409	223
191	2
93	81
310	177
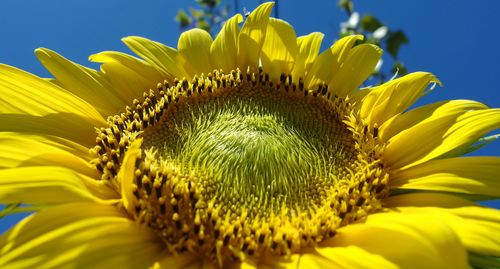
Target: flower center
234	165
260	148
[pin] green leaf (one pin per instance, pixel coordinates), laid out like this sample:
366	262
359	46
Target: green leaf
197	13
480	261
394	41
202	24
399	68
369	23
183	19
208	3
347	5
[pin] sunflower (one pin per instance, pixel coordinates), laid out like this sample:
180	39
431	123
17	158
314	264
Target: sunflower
248	151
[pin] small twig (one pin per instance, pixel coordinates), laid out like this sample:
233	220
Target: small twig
276	8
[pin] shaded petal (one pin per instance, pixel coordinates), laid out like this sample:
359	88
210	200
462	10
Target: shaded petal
394	97
194	48
308	49
268	262
50	185
179	261
126	175
447	133
470	132
224	49
393	235
79	236
405	121
279	49
477	227
163	58
470	175
426	199
358	66
343	257
82	81
328	62
56	127
42	151
25	93
131	75
252	36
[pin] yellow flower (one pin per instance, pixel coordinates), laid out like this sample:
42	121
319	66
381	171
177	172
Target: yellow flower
250	150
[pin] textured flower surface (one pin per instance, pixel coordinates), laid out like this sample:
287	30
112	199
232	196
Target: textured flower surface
252	150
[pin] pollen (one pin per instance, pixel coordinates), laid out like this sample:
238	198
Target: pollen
235	166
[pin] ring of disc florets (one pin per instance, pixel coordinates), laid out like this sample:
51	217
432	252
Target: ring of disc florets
175	204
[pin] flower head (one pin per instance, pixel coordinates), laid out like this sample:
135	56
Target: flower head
248	150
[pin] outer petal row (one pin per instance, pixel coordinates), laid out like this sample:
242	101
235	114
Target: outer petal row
393	235
194	48
24	93
279	49
328	62
394	97
448	133
130	75
224	49
477	227
308	49
163	58
252	36
42	185
464	175
84	82
43	151
79	235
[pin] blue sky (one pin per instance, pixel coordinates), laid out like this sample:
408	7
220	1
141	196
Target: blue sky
456	40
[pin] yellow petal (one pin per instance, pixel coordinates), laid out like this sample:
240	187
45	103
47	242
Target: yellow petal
29	104
343	257
81	81
328	62
129	74
126	175
163	58
55	127
279	49
252	36
477	227
224	49
447	133
20	150
404	121
470	175
426	199
194	48
246	264
473	237
178	261
480	230
357	67
407	240
268	262
470	128
80	235
40	185
394	97
308	49
24	93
